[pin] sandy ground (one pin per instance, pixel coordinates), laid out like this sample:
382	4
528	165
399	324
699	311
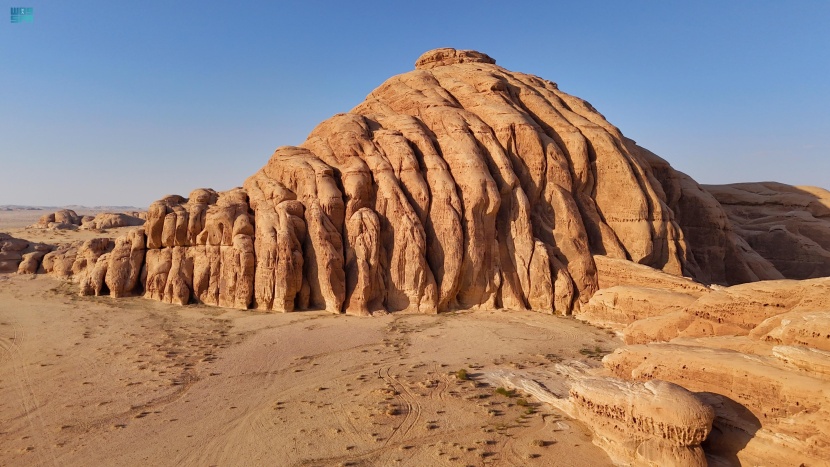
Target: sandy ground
97	381
16	224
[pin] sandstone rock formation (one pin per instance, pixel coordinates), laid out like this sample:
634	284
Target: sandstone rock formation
652	423
758	353
21	256
72	260
787	225
110	220
457	185
67	219
619	306
720	254
662	423
200	249
766	412
61	219
462	185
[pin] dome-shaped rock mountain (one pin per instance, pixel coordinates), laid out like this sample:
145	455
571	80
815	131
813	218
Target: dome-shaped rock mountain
459	184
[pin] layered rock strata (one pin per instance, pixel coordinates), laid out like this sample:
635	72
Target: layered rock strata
652	423
787	225
758	353
767	411
721	255
111	220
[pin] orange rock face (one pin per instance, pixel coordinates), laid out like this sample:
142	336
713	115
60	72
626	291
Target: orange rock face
464	185
201	249
787	225
458	185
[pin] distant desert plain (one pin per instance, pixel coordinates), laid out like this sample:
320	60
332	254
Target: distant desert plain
469	268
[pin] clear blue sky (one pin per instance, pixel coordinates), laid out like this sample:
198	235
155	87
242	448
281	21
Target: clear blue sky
122	102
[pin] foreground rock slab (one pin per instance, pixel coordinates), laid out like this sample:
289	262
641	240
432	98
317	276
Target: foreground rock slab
650	423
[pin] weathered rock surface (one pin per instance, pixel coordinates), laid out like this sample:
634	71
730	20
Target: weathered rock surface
63	219
22	256
783	412
747	305
716	252
614	272
30	262
759	353
670	308
652	423
200	249
123	267
110	220
619	306
67	219
299	206
787	225
804	358
454	186
464	185
801	328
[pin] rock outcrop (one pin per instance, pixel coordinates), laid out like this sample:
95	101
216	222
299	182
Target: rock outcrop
766	412
787	225
619	306
758	353
73	260
63	219
651	423
67	219
454	186
200	249
21	256
717	253
464	185
111	220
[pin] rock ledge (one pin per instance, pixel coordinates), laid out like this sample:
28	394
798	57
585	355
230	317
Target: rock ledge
449	56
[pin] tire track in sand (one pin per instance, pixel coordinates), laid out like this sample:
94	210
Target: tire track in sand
413	407
28	398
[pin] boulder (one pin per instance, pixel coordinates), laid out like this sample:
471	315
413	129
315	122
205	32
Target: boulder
653	423
109	220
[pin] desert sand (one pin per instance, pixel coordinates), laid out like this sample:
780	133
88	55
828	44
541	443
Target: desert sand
91	381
